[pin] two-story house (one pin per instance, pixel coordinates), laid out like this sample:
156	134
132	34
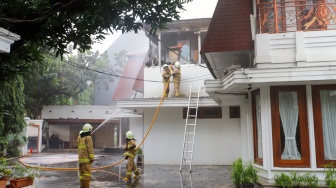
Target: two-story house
283	52
218	125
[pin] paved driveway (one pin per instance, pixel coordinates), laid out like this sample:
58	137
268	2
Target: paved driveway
153	176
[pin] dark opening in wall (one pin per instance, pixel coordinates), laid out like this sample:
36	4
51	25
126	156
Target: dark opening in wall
234	111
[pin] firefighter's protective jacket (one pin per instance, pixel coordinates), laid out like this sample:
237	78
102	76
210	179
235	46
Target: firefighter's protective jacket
165	75
176	72
130	149
85	149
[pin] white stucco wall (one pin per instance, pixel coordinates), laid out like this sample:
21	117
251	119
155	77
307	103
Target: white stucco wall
217	141
137	127
191	75
313	48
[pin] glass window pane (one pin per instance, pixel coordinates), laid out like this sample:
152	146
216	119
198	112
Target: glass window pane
289	121
328	112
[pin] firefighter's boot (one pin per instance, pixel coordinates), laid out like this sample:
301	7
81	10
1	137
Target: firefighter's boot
86	183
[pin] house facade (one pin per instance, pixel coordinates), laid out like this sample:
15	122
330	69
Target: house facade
282	55
217	124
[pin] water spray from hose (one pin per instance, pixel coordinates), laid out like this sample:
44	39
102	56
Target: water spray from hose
112	115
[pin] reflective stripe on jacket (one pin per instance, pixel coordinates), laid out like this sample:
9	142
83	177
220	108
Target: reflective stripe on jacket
130	149
85	149
176	72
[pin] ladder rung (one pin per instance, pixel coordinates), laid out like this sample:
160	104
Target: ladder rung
191	124
189	133
189	142
187	151
191	115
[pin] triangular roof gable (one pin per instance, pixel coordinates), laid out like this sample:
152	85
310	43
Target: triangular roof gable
229	28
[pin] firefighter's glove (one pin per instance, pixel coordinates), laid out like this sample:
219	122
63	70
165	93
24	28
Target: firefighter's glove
91	161
126	157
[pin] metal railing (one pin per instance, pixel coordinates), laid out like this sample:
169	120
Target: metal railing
278	16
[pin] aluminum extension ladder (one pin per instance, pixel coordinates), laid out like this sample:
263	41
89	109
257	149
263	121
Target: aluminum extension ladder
190	128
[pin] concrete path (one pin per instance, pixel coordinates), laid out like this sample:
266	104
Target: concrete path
153	176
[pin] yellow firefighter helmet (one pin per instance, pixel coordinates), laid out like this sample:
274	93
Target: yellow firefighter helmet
87	128
129	135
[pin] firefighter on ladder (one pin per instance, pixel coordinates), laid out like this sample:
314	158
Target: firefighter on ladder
129	156
85	155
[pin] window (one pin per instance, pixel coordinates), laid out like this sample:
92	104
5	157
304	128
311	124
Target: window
324	108
204	112
289	126
234	111
257	133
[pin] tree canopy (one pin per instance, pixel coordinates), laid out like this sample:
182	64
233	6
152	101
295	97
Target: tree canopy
57	23
50	26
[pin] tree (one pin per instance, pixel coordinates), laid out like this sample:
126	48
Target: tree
57	23
115	70
54	24
11	113
63	82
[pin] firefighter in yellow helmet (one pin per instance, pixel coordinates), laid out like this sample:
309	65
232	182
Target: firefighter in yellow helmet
166	79
176	72
85	155
130	152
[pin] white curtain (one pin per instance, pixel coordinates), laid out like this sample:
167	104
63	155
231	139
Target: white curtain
328	111
289	112
259	135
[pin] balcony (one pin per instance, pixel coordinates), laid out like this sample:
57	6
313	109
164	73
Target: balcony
295	33
191	75
279	16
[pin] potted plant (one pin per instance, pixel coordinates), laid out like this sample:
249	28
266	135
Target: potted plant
249	175
140	157
23	176
243	175
236	172
330	173
311	180
5	172
283	180
297	179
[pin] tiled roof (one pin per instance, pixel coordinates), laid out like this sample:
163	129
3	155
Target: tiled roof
230	28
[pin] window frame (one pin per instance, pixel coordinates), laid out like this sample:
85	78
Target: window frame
318	129
257	159
303	119
202	115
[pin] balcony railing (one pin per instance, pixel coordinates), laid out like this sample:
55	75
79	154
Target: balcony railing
278	16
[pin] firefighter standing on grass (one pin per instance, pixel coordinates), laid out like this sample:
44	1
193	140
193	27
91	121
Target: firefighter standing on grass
129	156
85	155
